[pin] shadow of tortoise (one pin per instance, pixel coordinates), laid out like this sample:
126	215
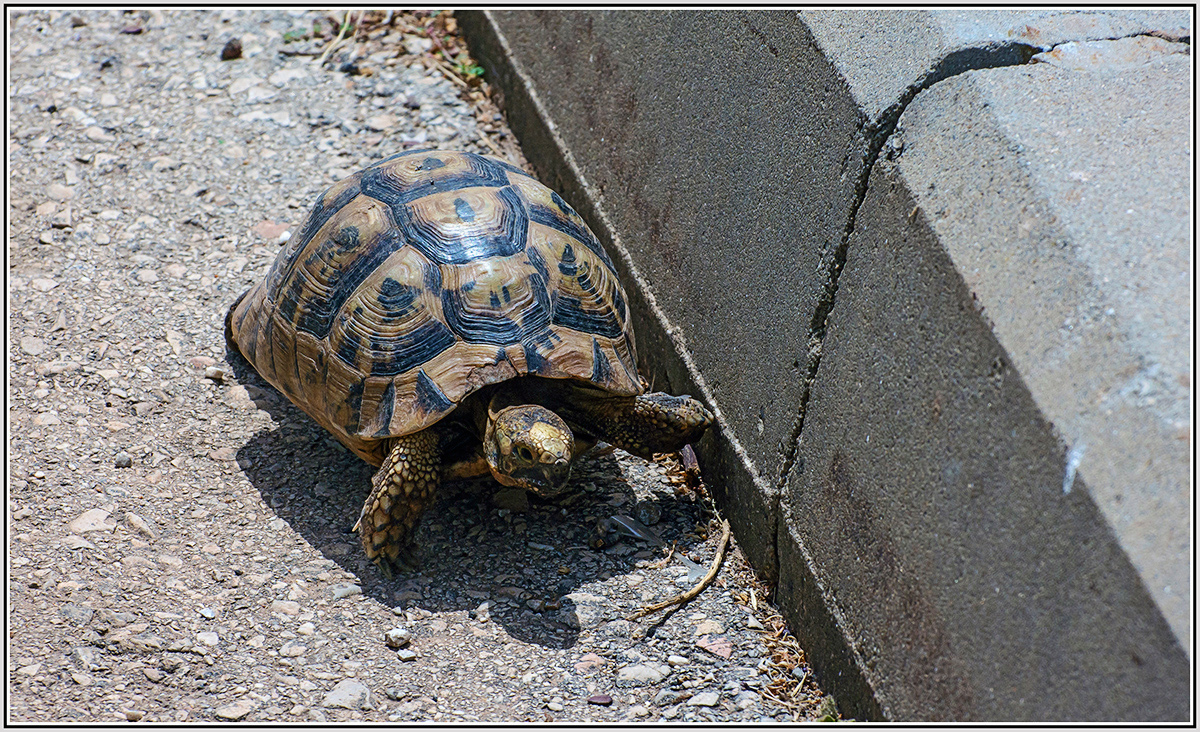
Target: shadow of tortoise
531	560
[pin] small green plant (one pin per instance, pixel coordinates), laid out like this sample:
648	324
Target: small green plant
468	71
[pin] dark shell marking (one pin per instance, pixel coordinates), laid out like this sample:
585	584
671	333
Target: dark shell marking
422	278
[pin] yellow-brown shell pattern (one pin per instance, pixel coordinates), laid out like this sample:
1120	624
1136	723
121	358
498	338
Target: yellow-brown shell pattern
422	278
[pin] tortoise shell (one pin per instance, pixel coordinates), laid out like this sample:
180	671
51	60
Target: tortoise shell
419	280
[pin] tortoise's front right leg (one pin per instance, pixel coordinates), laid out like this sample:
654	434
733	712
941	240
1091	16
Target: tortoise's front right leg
648	423
403	488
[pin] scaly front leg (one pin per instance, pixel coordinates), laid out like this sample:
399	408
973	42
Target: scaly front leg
403	488
648	423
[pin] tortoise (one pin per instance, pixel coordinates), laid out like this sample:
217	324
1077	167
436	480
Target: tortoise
444	315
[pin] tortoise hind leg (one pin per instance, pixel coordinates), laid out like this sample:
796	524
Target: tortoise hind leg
402	489
649	423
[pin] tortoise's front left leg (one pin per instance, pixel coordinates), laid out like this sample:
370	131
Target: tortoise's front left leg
403	488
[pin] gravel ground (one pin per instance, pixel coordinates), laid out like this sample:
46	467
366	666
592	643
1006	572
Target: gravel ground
179	544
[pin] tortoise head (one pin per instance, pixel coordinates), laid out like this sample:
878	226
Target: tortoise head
530	447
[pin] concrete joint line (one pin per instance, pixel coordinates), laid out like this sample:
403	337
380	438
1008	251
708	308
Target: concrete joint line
607	233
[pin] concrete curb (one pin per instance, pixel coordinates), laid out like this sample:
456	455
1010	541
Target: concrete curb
896	431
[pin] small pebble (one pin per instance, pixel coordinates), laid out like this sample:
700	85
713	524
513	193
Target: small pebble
345	589
33	346
96	134
647	512
232	50
397	638
601	700
293	649
140	525
59	192
349	694
95	519
642	674
287	607
235	711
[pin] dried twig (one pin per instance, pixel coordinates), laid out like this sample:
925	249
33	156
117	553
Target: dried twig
338	41
667	559
784	686
491	145
704	582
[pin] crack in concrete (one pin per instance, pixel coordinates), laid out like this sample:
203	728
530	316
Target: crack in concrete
1160	35
877	134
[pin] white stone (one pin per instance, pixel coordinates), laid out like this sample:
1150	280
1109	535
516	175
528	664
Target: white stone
706	699
643	673
46	419
235	711
96	134
259	94
287	607
349	694
240	85
95	519
283	76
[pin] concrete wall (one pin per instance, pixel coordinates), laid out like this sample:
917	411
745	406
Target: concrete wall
932	270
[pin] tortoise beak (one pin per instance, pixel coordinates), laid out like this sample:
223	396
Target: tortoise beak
557	475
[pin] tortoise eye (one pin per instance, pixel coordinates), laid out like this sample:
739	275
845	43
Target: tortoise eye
524	453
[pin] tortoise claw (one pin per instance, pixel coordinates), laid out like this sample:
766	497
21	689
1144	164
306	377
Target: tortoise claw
406	561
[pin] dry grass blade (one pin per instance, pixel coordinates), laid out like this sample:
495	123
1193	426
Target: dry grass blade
667	559
785	685
340	37
704	581
447	70
491	145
